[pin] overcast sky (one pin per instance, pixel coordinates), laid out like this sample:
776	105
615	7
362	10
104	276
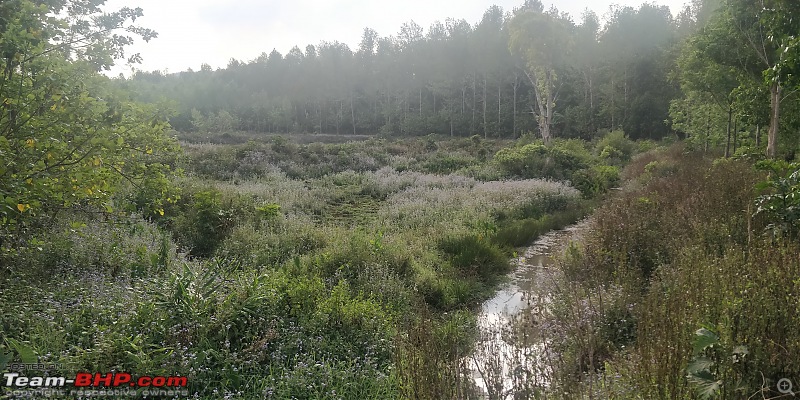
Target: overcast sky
212	31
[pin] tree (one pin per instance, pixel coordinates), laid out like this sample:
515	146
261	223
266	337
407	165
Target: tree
705	81
67	137
765	34
543	40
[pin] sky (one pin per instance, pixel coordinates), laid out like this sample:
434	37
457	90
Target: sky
194	32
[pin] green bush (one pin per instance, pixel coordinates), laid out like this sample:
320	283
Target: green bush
615	147
595	180
475	256
204	223
538	161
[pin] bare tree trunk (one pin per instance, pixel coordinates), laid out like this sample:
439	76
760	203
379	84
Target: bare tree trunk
735	134
352	114
485	125
420	101
728	130
451	126
474	99
463	98
514	122
774	119
591	105
625	99
339	116
545	103
613	110
499	110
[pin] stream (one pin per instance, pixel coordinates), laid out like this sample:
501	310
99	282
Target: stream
511	355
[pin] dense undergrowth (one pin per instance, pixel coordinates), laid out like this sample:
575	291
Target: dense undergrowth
286	270
684	286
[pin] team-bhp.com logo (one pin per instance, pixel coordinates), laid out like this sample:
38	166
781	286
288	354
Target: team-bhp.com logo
84	381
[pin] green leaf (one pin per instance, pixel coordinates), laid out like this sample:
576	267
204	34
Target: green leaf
25	352
699	365
704	339
705	385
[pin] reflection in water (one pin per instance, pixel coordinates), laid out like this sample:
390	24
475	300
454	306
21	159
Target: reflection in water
508	358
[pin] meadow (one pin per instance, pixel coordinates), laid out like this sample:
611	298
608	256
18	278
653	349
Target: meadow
299	270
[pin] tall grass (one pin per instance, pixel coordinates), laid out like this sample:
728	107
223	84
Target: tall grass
677	251
287	270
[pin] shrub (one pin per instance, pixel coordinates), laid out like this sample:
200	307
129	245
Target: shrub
204	223
538	161
475	256
615	147
596	180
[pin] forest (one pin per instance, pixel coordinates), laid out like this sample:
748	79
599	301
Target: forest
327	223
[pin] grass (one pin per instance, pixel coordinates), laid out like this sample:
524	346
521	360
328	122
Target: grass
305	270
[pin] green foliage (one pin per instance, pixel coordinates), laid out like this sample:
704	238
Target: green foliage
269	211
538	161
781	203
307	287
221	121
615	147
69	138
204	222
475	256
596	180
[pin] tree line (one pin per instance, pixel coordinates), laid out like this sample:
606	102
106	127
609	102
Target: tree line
707	74
453	78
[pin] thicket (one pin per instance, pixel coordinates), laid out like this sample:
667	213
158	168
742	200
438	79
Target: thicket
684	285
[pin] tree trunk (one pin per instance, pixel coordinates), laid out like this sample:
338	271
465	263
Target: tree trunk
339	116
485	125
451	126
352	114
319	116
499	110
758	135
774	120
545	103
735	134
728	130
514	122
474	99
613	110
420	101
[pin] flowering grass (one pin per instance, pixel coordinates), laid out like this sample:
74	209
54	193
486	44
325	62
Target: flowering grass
285	271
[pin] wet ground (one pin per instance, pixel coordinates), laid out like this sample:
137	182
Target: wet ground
501	351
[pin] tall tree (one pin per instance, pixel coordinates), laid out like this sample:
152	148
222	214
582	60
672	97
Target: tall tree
543	40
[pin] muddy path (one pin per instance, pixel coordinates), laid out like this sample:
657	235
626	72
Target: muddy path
509	357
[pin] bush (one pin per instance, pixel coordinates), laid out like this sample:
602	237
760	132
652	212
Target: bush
595	180
203	223
615	147
538	161
475	256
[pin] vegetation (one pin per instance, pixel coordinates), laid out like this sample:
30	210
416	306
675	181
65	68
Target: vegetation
710	295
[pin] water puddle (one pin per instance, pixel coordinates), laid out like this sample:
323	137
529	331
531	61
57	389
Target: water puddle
509	358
